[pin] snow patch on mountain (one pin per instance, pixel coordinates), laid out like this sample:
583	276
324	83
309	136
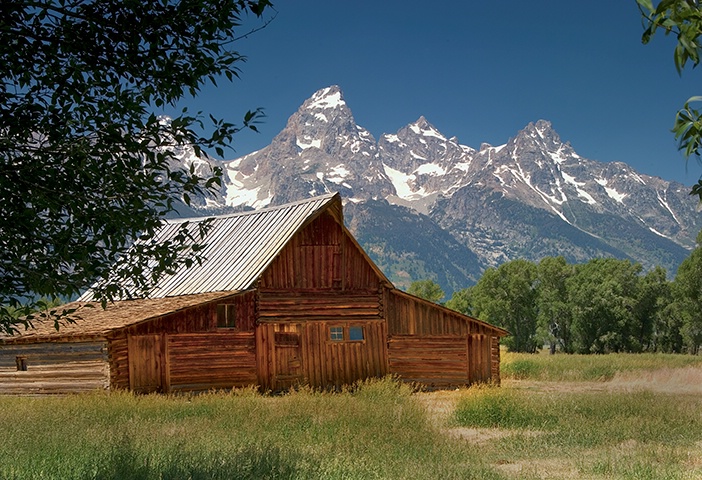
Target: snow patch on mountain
327	98
430	169
427	131
611	192
581	193
338	174
308	142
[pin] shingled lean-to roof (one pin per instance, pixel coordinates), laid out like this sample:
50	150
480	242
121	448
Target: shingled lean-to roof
92	320
238	247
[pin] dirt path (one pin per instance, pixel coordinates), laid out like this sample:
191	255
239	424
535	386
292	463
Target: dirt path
441	404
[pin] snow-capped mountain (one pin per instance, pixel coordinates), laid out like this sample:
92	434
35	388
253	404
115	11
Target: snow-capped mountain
531	197
320	150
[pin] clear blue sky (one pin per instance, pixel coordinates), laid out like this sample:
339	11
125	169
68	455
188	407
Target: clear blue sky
478	70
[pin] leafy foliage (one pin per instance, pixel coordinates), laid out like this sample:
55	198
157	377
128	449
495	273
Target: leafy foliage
506	296
427	289
687	298
682	18
554	316
602	306
86	168
602	295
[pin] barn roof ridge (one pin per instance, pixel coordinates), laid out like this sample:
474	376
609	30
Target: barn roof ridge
257	211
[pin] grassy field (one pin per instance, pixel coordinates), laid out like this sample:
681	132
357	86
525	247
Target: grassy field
552	418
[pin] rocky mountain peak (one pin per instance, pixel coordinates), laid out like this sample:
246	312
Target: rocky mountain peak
530	197
541	132
324	99
425	129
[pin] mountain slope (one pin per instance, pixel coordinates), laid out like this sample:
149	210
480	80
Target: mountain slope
424	205
408	246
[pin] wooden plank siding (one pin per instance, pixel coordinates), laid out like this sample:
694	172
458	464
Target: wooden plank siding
118	357
321	257
184	361
337	363
56	367
198	362
322	362
479	358
291	354
438	362
200	318
435	346
408	315
277	306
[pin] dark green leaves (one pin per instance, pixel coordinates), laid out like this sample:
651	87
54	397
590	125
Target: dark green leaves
427	289
682	18
85	167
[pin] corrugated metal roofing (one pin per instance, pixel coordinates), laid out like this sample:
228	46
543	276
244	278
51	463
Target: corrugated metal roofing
238	247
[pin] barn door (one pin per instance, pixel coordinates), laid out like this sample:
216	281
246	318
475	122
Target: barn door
146	367
288	357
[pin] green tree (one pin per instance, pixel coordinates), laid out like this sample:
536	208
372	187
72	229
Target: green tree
427	289
602	296
669	338
687	298
682	18
461	301
506	296
86	168
554	313
652	298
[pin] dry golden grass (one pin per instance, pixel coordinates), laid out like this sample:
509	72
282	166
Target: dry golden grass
638	423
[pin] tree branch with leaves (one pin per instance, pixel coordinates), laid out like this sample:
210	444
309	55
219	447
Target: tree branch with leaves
682	18
86	167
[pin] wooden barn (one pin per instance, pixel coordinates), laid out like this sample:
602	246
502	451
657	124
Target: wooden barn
286	296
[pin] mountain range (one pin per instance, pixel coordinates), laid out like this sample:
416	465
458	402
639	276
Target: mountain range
425	206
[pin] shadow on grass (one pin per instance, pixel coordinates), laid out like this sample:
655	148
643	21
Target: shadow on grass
252	462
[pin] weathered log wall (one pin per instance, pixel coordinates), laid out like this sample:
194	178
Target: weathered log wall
479	358
183	361
278	306
118	356
438	362
198	362
435	346
54	367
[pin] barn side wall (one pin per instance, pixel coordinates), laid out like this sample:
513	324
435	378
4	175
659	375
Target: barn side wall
436	346
436	362
198	362
195	354
294	344
54	367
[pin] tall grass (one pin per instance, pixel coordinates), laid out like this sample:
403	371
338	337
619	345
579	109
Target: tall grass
563	367
566	431
375	430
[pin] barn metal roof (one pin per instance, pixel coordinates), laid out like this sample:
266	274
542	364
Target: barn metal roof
238	247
